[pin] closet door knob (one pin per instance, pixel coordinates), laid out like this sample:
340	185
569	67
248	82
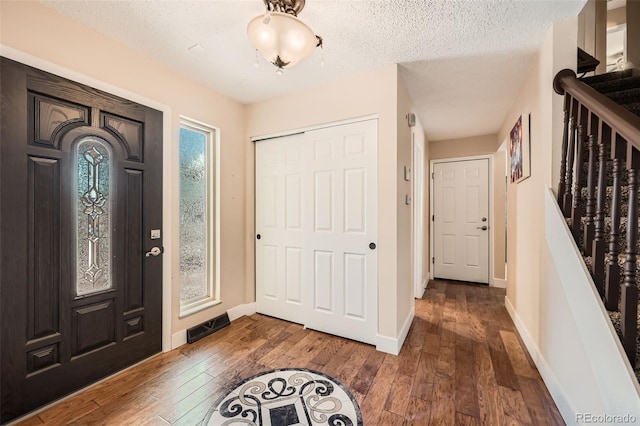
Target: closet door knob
372	246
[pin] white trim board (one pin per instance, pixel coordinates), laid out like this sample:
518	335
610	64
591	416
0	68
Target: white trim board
167	169
500	283
425	282
488	157
556	390
392	345
314	127
418	243
236	312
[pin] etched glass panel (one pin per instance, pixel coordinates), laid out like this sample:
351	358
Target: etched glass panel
93	216
193	216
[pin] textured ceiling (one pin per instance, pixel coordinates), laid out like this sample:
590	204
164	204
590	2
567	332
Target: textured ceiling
463	61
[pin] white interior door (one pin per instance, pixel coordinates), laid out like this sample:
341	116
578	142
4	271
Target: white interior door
343	290
280	214
461	220
316	213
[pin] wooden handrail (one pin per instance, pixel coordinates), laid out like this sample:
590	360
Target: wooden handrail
591	119
625	123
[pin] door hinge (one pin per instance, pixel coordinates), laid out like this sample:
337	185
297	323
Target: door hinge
433	260
433	218
433	175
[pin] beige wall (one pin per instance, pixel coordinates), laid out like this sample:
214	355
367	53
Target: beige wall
372	93
464	147
499	215
633	32
542	308
592	31
37	30
404	281
616	16
525	211
482	145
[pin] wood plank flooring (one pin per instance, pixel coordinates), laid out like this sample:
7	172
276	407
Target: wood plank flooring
462	363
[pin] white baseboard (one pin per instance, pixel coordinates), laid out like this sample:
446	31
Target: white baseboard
392	345
555	389
180	338
241	310
500	283
425	282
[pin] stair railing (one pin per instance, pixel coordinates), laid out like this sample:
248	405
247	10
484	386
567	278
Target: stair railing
600	148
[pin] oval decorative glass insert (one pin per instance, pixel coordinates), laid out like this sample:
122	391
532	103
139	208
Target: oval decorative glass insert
92	204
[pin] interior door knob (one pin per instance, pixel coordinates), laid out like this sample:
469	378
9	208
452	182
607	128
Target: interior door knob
484	228
372	246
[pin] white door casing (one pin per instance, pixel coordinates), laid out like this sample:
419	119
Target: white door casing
418	216
461	220
316	213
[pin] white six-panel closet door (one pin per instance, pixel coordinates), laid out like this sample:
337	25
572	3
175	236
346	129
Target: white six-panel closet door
316	213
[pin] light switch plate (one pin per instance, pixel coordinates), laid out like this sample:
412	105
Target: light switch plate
155	234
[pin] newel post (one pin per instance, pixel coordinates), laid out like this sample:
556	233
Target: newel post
568	130
565	143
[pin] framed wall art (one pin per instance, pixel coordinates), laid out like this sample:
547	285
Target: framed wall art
520	149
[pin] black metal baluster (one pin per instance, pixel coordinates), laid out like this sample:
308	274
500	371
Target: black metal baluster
577	210
629	313
598	246
567	202
590	212
612	268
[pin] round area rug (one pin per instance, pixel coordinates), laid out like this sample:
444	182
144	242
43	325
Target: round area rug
286	397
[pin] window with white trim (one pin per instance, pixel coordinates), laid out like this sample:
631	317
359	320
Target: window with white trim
198	217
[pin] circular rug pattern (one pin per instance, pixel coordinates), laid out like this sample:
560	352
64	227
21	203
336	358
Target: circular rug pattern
286	397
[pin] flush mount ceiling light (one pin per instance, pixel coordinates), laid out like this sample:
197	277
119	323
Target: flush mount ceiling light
280	37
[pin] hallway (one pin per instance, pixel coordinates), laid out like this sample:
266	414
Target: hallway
462	363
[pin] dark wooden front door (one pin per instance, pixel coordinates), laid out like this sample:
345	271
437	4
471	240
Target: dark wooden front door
80	191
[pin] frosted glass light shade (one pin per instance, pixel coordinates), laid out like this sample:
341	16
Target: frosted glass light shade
283	40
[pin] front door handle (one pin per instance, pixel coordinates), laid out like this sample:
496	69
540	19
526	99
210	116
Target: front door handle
155	251
484	228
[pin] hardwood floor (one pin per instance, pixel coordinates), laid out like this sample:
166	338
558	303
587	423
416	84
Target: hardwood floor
462	363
